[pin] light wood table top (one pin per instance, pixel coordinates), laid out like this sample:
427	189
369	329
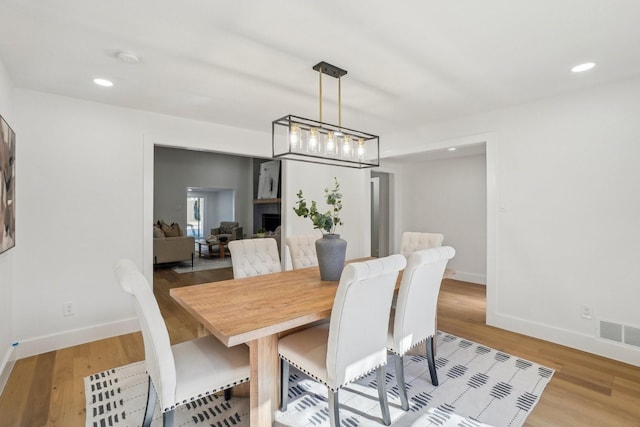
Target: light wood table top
241	310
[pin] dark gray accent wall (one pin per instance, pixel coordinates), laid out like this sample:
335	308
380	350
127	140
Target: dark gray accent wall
177	169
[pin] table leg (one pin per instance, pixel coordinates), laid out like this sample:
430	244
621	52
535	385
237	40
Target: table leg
199	250
265	380
221	247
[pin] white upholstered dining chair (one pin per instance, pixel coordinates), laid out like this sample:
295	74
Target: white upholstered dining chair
183	372
412	241
253	257
303	249
414	319
338	353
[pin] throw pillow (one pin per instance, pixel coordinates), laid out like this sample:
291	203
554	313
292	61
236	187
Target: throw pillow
172	231
225	228
157	232
166	228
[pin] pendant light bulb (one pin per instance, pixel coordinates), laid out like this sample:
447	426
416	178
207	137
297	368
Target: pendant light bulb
312	143
347	148
361	149
331	144
294	137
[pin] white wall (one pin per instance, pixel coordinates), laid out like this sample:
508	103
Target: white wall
565	171
312	179
86	199
7	258
448	196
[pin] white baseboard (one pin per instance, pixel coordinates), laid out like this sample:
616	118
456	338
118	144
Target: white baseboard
6	368
585	342
39	345
480	279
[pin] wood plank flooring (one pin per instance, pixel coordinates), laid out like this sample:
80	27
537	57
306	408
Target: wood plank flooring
587	390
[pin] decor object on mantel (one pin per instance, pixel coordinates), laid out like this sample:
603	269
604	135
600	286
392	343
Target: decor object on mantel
331	249
298	138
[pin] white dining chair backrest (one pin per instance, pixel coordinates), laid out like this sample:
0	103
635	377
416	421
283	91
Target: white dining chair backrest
415	312
159	360
359	318
254	257
414	241
184	372
303	249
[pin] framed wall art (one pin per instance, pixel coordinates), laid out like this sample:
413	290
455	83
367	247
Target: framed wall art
8	186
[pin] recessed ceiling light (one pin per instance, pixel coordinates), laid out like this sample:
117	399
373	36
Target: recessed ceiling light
583	67
103	82
452	149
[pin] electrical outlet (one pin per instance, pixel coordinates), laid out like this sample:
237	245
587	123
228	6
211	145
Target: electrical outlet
67	309
587	312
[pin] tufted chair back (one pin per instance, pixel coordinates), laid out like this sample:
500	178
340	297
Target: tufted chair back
414	241
414	318
253	257
303	249
159	360
362	302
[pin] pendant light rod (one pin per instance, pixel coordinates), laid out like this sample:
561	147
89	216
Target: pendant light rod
336	72
339	102
320	74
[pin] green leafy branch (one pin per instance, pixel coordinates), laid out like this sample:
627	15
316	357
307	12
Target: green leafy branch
328	220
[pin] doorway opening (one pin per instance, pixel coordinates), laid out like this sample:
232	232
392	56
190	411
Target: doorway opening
195	215
380	229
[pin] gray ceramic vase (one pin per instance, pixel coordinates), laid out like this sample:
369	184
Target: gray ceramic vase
331	250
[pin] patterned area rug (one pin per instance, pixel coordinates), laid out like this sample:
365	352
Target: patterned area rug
202	263
478	387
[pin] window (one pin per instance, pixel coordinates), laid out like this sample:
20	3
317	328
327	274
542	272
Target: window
195	216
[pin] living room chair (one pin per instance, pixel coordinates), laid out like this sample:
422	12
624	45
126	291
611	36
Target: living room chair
303	250
253	257
414	319
338	353
229	229
412	241
183	372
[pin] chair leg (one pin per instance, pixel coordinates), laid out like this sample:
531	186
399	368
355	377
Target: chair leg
382	396
227	394
334	409
402	387
284	384
151	405
431	360
167	419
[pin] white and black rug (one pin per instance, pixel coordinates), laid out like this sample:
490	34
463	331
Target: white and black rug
479	386
202	263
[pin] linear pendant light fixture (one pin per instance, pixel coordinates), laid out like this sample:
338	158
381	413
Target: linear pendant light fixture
298	138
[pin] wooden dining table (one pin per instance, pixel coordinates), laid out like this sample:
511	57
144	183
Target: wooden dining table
256	311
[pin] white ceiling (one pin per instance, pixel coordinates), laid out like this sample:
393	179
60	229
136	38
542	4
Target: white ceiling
246	63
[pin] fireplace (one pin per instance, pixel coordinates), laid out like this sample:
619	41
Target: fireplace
270	221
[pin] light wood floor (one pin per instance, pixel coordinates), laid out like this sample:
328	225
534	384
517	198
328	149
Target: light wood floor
586	390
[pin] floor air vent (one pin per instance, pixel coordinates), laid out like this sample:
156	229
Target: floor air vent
632	336
620	333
